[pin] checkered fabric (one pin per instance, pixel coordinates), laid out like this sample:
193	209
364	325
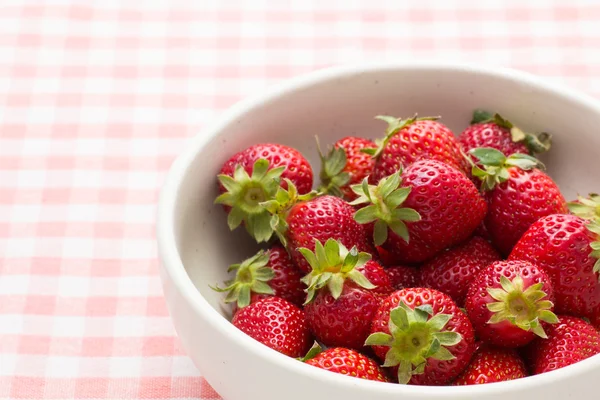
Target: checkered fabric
98	98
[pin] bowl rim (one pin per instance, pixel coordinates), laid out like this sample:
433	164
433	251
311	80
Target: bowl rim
172	264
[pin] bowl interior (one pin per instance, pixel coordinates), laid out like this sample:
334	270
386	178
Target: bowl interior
336	106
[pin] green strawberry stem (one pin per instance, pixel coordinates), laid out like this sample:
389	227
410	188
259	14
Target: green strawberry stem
332	265
251	276
332	174
496	165
536	143
394	126
385	200
416	335
245	193
524	308
278	208
314	351
589	209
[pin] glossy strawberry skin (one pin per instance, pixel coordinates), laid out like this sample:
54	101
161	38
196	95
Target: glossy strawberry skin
519	202
286	282
359	165
344	322
450	207
492	364
436	372
560	244
452	271
276	323
570	341
402	277
503	333
325	217
378	276
422	140
490	135
348	362
297	168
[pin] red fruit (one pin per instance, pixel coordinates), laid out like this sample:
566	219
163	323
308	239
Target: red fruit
508	301
348	362
345	165
432	340
430	208
452	271
493	131
379	277
562	246
303	223
341	300
518	194
492	364
404	277
411	140
252	177
570	341
276	323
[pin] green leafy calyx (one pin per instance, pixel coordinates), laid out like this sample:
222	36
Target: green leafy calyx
278	208
251	276
496	165
384	207
245	193
394	126
333	177
524	308
332	265
415	336
314	351
535	143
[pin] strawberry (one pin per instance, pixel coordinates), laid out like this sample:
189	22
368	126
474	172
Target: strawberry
570	341
424	335
413	139
378	276
492	364
566	247
252	176
346	362
404	277
452	271
518	194
430	207
339	305
487	130
276	323
508	301
346	164
269	273
299	221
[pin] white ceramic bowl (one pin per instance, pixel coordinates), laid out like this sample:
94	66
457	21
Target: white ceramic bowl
196	247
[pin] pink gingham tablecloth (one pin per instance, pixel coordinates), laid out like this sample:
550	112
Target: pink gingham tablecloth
96	100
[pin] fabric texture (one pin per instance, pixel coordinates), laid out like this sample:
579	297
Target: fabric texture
98	98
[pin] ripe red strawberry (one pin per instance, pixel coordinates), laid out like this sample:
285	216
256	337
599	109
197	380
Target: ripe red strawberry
345	165
492	364
518	194
404	277
346	362
566	247
452	271
378	276
414	139
252	176
276	323
300	221
340	301
570	341
431	207
424	335
508	301
265	274
487	130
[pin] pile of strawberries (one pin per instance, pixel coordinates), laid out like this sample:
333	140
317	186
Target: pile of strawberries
421	259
